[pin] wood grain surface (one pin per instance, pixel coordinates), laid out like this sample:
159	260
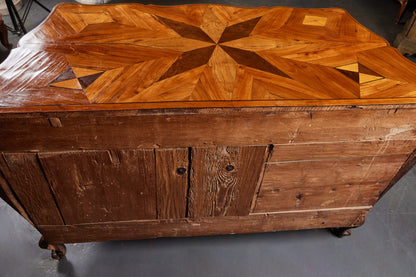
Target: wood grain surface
27	180
7	194
98	186
172	167
223	180
339	150
230	127
330	183
201	55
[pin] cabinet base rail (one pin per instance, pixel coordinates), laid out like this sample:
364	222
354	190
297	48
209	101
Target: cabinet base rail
255	223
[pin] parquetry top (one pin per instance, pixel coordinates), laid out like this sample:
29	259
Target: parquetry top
135	56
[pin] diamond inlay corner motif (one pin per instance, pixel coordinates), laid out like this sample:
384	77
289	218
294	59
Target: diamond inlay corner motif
76	78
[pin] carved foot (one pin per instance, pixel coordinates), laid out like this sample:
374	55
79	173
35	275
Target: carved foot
58	250
341	232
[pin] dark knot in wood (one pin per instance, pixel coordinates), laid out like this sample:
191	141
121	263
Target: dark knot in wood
229	167
181	170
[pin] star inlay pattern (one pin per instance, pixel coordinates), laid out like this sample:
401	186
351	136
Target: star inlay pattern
194	58
206	53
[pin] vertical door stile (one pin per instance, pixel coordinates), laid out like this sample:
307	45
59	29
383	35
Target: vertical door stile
172	182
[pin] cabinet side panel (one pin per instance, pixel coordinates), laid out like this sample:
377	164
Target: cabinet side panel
98	186
336	183
171	182
223	180
26	178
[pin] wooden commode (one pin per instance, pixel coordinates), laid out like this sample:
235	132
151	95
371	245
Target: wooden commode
131	121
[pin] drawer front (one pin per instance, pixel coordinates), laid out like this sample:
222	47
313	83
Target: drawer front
322	176
337	150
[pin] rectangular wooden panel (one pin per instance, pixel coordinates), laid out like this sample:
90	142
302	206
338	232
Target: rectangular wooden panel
140	129
97	186
255	223
223	179
326	184
26	179
316	151
172	182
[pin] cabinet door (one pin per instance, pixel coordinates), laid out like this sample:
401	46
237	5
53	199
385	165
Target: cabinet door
118	185
223	180
105	185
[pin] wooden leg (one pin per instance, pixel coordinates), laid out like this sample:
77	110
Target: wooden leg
402	9
341	232
4	35
58	250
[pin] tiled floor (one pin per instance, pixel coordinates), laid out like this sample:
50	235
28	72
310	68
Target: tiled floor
384	246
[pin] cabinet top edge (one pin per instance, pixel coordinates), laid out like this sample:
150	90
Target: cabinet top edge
134	111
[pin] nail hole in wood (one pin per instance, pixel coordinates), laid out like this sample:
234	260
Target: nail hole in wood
229	167
181	170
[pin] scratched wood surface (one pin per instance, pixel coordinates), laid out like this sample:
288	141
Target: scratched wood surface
201	55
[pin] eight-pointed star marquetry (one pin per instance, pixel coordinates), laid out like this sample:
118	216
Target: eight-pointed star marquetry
198	57
205	55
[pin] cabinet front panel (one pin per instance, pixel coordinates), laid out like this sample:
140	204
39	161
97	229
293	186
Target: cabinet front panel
322	184
223	179
100	186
